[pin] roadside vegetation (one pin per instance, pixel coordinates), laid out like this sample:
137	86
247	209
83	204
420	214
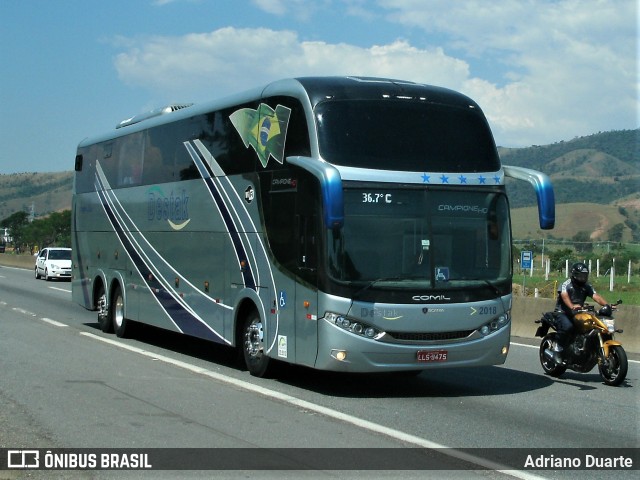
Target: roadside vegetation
28	237
604	254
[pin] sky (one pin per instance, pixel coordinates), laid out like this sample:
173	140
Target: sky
543	71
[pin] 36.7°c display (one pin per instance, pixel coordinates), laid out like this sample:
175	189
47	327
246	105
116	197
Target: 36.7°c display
368	197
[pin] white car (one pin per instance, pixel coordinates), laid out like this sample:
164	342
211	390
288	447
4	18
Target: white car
54	262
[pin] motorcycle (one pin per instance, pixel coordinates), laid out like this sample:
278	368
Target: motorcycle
591	344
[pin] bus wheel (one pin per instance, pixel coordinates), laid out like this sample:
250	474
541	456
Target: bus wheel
103	313
117	313
253	345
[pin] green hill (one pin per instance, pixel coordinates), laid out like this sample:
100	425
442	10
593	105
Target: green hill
603	168
44	192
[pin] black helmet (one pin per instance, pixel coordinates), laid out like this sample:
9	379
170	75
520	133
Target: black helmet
579	273
606	311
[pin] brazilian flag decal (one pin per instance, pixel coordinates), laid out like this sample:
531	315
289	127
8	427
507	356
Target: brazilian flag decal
264	129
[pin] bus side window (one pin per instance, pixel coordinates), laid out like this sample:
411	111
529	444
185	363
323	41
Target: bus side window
184	167
130	160
226	144
108	161
297	142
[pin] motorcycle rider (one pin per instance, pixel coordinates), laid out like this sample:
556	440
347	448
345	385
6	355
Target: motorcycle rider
571	297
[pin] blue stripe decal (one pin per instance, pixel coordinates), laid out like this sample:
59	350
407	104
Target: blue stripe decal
233	209
241	253
183	318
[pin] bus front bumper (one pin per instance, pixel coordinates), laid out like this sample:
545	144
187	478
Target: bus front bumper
339	350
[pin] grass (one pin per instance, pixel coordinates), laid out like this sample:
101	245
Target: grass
628	292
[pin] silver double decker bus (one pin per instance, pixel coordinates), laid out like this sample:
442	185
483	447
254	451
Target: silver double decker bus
342	223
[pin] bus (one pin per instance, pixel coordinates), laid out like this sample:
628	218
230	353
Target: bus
347	224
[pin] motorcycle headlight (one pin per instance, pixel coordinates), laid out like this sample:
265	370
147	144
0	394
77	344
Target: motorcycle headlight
611	324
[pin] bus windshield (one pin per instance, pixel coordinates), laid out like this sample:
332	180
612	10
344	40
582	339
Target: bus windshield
419	238
405	135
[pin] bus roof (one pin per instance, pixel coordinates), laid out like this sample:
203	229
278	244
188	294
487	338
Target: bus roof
308	89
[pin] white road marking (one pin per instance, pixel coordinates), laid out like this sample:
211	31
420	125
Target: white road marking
60	289
282	397
525	345
54	322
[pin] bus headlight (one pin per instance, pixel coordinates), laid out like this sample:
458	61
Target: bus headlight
494	325
354	326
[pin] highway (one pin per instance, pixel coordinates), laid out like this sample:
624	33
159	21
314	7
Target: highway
65	384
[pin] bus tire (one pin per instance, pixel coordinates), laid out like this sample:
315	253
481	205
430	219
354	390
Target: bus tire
106	325
255	359
116	312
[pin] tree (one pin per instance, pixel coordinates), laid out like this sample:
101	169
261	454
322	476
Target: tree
583	242
558	258
54	230
615	232
16	223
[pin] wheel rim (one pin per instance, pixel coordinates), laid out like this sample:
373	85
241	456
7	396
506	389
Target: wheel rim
612	369
118	311
102	307
254	339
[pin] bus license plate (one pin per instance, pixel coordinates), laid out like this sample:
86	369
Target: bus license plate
432	355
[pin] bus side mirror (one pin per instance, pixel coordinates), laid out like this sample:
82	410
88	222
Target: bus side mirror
78	166
330	189
544	193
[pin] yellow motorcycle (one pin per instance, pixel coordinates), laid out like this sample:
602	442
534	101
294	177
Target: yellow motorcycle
591	344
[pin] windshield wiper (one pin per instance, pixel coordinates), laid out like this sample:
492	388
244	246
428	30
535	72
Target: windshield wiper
373	282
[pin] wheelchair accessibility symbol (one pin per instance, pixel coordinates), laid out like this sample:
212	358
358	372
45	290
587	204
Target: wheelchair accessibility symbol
282	299
442	274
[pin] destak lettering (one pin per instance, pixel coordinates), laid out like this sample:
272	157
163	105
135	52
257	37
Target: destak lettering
174	208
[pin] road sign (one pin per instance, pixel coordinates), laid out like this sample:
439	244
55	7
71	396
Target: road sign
526	257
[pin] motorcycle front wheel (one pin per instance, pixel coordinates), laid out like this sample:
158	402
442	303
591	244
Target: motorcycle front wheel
614	370
549	365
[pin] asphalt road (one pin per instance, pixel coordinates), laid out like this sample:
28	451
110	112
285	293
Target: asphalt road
63	383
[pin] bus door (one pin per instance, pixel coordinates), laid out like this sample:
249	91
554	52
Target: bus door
307	234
